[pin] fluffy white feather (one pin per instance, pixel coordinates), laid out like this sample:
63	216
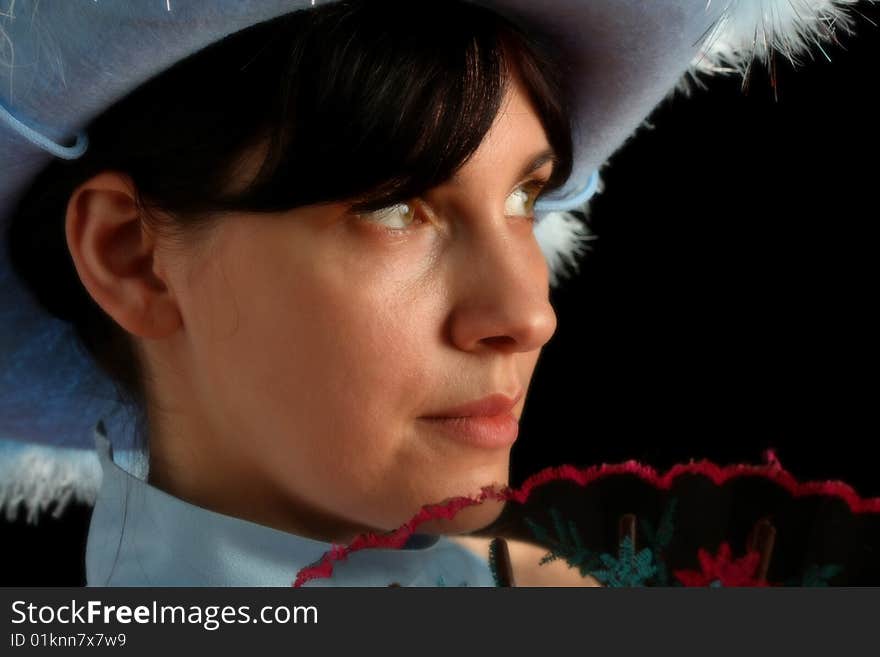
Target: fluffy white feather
755	29
563	239
34	478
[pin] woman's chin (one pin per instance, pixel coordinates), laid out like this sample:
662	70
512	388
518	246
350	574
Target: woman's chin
466	520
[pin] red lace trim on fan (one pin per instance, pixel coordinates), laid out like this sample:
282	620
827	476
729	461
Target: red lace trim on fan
772	470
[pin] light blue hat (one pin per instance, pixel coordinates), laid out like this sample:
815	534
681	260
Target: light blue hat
63	62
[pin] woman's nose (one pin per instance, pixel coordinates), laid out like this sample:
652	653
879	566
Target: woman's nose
502	291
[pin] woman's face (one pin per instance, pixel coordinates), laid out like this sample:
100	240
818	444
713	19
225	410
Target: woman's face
313	342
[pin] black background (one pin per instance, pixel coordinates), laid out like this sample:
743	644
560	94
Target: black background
728	305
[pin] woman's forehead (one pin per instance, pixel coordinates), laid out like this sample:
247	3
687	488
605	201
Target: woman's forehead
516	141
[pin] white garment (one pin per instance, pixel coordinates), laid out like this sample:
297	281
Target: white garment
140	535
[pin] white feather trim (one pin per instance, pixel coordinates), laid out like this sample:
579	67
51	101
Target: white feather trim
563	239
34	477
755	29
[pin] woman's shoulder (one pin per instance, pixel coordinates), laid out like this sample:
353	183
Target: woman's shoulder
525	559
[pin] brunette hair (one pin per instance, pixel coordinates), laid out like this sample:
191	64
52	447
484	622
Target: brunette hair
372	100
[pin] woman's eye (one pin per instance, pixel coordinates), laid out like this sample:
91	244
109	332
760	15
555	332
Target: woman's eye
396	217
521	202
402	216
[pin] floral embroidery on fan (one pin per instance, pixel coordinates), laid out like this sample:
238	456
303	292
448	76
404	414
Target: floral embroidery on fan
648	567
568	544
660	539
816	575
630	567
721	570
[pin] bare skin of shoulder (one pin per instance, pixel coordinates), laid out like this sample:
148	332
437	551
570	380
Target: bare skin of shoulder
525	559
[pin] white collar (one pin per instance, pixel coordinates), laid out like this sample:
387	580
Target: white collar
140	535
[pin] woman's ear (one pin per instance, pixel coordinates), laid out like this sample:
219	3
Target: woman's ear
113	253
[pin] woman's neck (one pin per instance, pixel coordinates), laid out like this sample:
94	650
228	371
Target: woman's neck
239	491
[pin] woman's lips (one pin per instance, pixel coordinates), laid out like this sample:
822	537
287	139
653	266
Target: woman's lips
488	422
491	405
486	431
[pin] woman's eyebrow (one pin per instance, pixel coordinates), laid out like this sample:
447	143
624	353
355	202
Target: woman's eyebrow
537	161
